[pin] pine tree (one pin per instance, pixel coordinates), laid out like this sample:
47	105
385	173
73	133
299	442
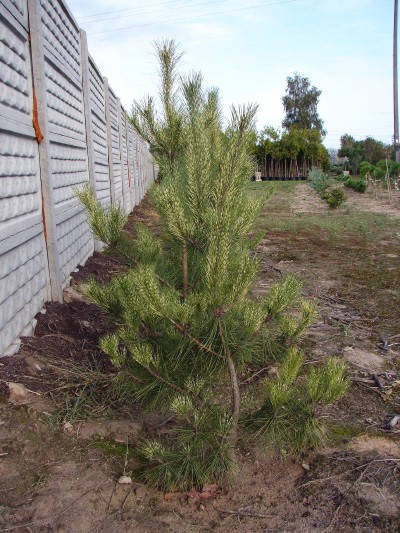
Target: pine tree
188	323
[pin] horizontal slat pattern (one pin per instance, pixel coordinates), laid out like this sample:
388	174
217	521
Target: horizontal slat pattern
23	267
37	181
66	118
99	133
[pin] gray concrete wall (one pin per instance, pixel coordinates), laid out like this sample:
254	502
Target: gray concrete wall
61	125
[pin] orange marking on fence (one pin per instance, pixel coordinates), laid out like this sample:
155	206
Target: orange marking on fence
35	119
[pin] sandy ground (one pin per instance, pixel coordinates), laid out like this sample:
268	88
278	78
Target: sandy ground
57	478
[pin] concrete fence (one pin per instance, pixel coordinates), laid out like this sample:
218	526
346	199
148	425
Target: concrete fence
61	125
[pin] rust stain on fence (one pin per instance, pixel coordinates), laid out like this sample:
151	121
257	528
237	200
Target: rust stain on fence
35	119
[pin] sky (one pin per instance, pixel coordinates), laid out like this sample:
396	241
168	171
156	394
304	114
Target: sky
248	48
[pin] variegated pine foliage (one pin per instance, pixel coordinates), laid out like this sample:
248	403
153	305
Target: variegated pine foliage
189	324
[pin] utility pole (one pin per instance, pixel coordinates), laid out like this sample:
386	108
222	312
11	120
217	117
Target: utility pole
395	88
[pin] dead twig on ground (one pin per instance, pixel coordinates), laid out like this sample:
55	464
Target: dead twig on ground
335	514
356	379
353	322
378	381
331	299
110	499
355	469
364	383
240	513
125	499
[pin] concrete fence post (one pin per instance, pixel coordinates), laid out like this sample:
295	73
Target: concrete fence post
143	165
40	98
109	140
88	115
136	166
131	174
124	177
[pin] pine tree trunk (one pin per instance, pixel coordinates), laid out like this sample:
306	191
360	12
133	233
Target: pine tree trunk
235	392
184	269
235	407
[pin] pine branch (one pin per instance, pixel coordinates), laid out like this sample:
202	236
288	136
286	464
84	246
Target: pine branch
163	380
160	279
198	343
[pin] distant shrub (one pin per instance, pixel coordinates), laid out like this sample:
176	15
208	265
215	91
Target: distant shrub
334	197
380	169
336	169
384	167
341	178
318	180
366	168
358	185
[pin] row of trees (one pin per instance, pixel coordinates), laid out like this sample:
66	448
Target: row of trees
298	148
385	168
369	150
291	152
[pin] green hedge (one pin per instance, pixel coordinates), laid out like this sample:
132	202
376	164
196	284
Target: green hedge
358	185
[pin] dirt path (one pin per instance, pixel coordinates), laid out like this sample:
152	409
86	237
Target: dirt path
305	202
56	478
374	203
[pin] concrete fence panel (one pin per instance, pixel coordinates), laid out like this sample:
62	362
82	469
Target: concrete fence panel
23	261
114	149
67	128
61	126
96	126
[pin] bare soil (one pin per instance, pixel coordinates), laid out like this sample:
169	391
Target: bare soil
60	463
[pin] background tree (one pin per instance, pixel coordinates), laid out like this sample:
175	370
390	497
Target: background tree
289	153
353	150
301	104
299	147
375	151
369	150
